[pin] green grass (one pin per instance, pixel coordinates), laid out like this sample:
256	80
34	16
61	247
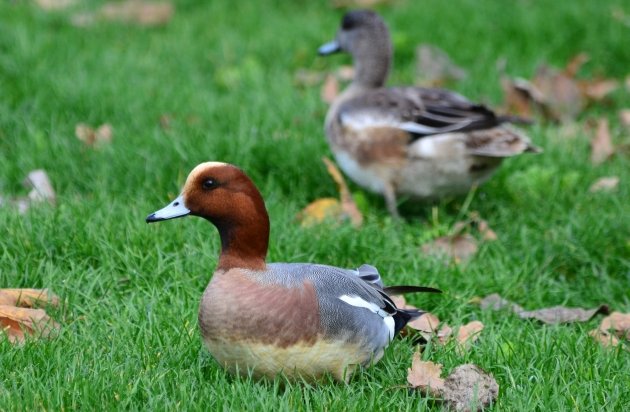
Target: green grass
224	74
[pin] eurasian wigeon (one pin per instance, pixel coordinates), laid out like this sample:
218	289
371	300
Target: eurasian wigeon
299	319
421	142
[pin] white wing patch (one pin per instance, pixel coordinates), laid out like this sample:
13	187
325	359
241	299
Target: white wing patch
358	302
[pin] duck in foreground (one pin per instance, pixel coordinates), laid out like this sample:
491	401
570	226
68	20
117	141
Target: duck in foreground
300	319
421	142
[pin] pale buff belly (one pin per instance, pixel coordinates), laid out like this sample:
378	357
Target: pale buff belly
307	361
423	175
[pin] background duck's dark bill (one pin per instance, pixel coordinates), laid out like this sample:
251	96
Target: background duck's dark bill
174	210
329	48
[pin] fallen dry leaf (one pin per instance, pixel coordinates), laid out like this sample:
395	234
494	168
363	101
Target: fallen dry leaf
102	135
16	323
27	297
425	375
470	388
563	97
555	94
496	302
561	314
444	334
426	324
319	211
55	4
41	187
330	89
521	97
143	13
605	184
604	338
434	67
552	315
624	118
468	334
460	247
617	322
597	89
601	145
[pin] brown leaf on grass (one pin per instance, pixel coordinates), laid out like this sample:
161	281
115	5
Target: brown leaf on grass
496	302
624	118
330	89
427	323
563	97
552	315
604	338
307	78
605	184
425	375
459	247
102	135
345	73
597	89
468	334
319	211
444	334
470	388
618	323
521	97
555	94
16	323
330	208
42	190
601	144
139	12
50	5
434	67
561	314
27	297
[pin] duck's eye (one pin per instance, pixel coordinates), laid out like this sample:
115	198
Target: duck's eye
209	184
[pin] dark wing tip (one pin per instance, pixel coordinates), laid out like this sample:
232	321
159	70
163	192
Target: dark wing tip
402	289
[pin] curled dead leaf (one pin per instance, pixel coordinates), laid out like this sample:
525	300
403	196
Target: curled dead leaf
17	323
41	187
606	339
605	184
618	323
348	205
468	334
27	297
319	211
552	315
459	248
434	67
330	89
470	388
601	144
425	376
94	138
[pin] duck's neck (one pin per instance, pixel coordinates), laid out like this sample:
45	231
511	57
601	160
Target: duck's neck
244	243
371	69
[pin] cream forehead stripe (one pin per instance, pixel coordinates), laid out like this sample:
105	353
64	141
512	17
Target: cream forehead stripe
204	167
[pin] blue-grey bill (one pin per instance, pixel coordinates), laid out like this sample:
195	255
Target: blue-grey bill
329	48
174	210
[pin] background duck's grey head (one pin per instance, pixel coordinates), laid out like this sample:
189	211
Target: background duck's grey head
365	36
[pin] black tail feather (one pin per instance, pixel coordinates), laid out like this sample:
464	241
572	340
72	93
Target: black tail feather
404	316
402	289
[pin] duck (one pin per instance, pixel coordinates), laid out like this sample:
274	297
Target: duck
302	320
422	143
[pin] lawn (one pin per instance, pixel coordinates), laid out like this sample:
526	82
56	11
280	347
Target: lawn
221	74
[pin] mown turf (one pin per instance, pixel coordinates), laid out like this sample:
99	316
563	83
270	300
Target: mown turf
223	72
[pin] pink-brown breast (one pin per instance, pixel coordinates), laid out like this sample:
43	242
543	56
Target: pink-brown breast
271	329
